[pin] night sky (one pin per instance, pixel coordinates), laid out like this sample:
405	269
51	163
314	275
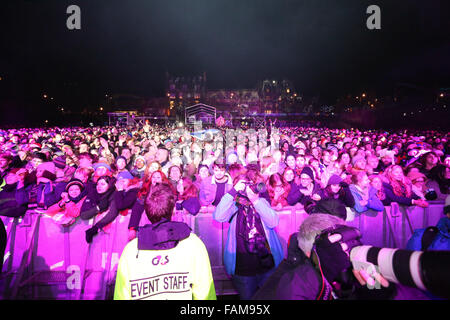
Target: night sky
322	46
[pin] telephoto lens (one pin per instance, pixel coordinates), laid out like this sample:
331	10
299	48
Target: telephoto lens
428	271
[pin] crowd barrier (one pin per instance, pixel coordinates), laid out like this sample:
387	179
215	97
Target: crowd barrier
44	260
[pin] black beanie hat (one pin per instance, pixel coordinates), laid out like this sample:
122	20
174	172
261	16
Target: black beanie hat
308	170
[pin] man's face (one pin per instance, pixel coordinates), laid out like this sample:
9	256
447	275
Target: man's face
203	172
219	173
35	162
290	161
305	180
431	159
161	155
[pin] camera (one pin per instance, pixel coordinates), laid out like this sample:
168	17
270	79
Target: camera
430	194
257	188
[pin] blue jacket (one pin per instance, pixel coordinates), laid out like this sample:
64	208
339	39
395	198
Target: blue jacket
373	203
440	242
226	210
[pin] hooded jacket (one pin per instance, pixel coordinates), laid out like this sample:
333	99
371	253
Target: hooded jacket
165	262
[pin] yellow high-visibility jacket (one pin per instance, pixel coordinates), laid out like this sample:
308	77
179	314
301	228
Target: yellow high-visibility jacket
181	273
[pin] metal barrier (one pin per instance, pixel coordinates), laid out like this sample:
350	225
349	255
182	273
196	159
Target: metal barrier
44	260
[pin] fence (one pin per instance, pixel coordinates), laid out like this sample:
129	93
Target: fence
46	261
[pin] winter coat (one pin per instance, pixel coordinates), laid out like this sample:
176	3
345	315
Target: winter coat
296	196
392	197
373	202
441	240
225	212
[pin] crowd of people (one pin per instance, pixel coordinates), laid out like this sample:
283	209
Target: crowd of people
80	173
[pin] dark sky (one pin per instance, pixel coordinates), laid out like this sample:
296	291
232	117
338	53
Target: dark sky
323	46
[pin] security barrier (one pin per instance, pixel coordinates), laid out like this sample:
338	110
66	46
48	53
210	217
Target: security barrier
44	260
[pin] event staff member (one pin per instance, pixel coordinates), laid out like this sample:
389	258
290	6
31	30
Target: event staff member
166	261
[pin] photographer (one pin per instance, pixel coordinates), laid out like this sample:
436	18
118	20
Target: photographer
252	249
319	267
303	276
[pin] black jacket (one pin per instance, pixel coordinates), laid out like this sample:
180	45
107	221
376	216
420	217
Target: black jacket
294	279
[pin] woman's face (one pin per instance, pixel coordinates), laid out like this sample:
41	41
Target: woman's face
335	188
397	173
278	187
345	158
376	183
156	178
121	164
102	186
11	178
364	181
290	161
203	172
74	191
175	174
289	175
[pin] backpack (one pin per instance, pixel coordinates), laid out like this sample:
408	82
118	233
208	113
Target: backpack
428	237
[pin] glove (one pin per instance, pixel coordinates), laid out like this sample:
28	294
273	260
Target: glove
90	233
332	257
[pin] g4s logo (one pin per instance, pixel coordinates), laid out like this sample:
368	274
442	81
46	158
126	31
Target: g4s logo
160	260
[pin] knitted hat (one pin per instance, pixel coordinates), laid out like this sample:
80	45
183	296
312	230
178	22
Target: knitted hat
101	164
307	170
334	179
76	182
60	162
